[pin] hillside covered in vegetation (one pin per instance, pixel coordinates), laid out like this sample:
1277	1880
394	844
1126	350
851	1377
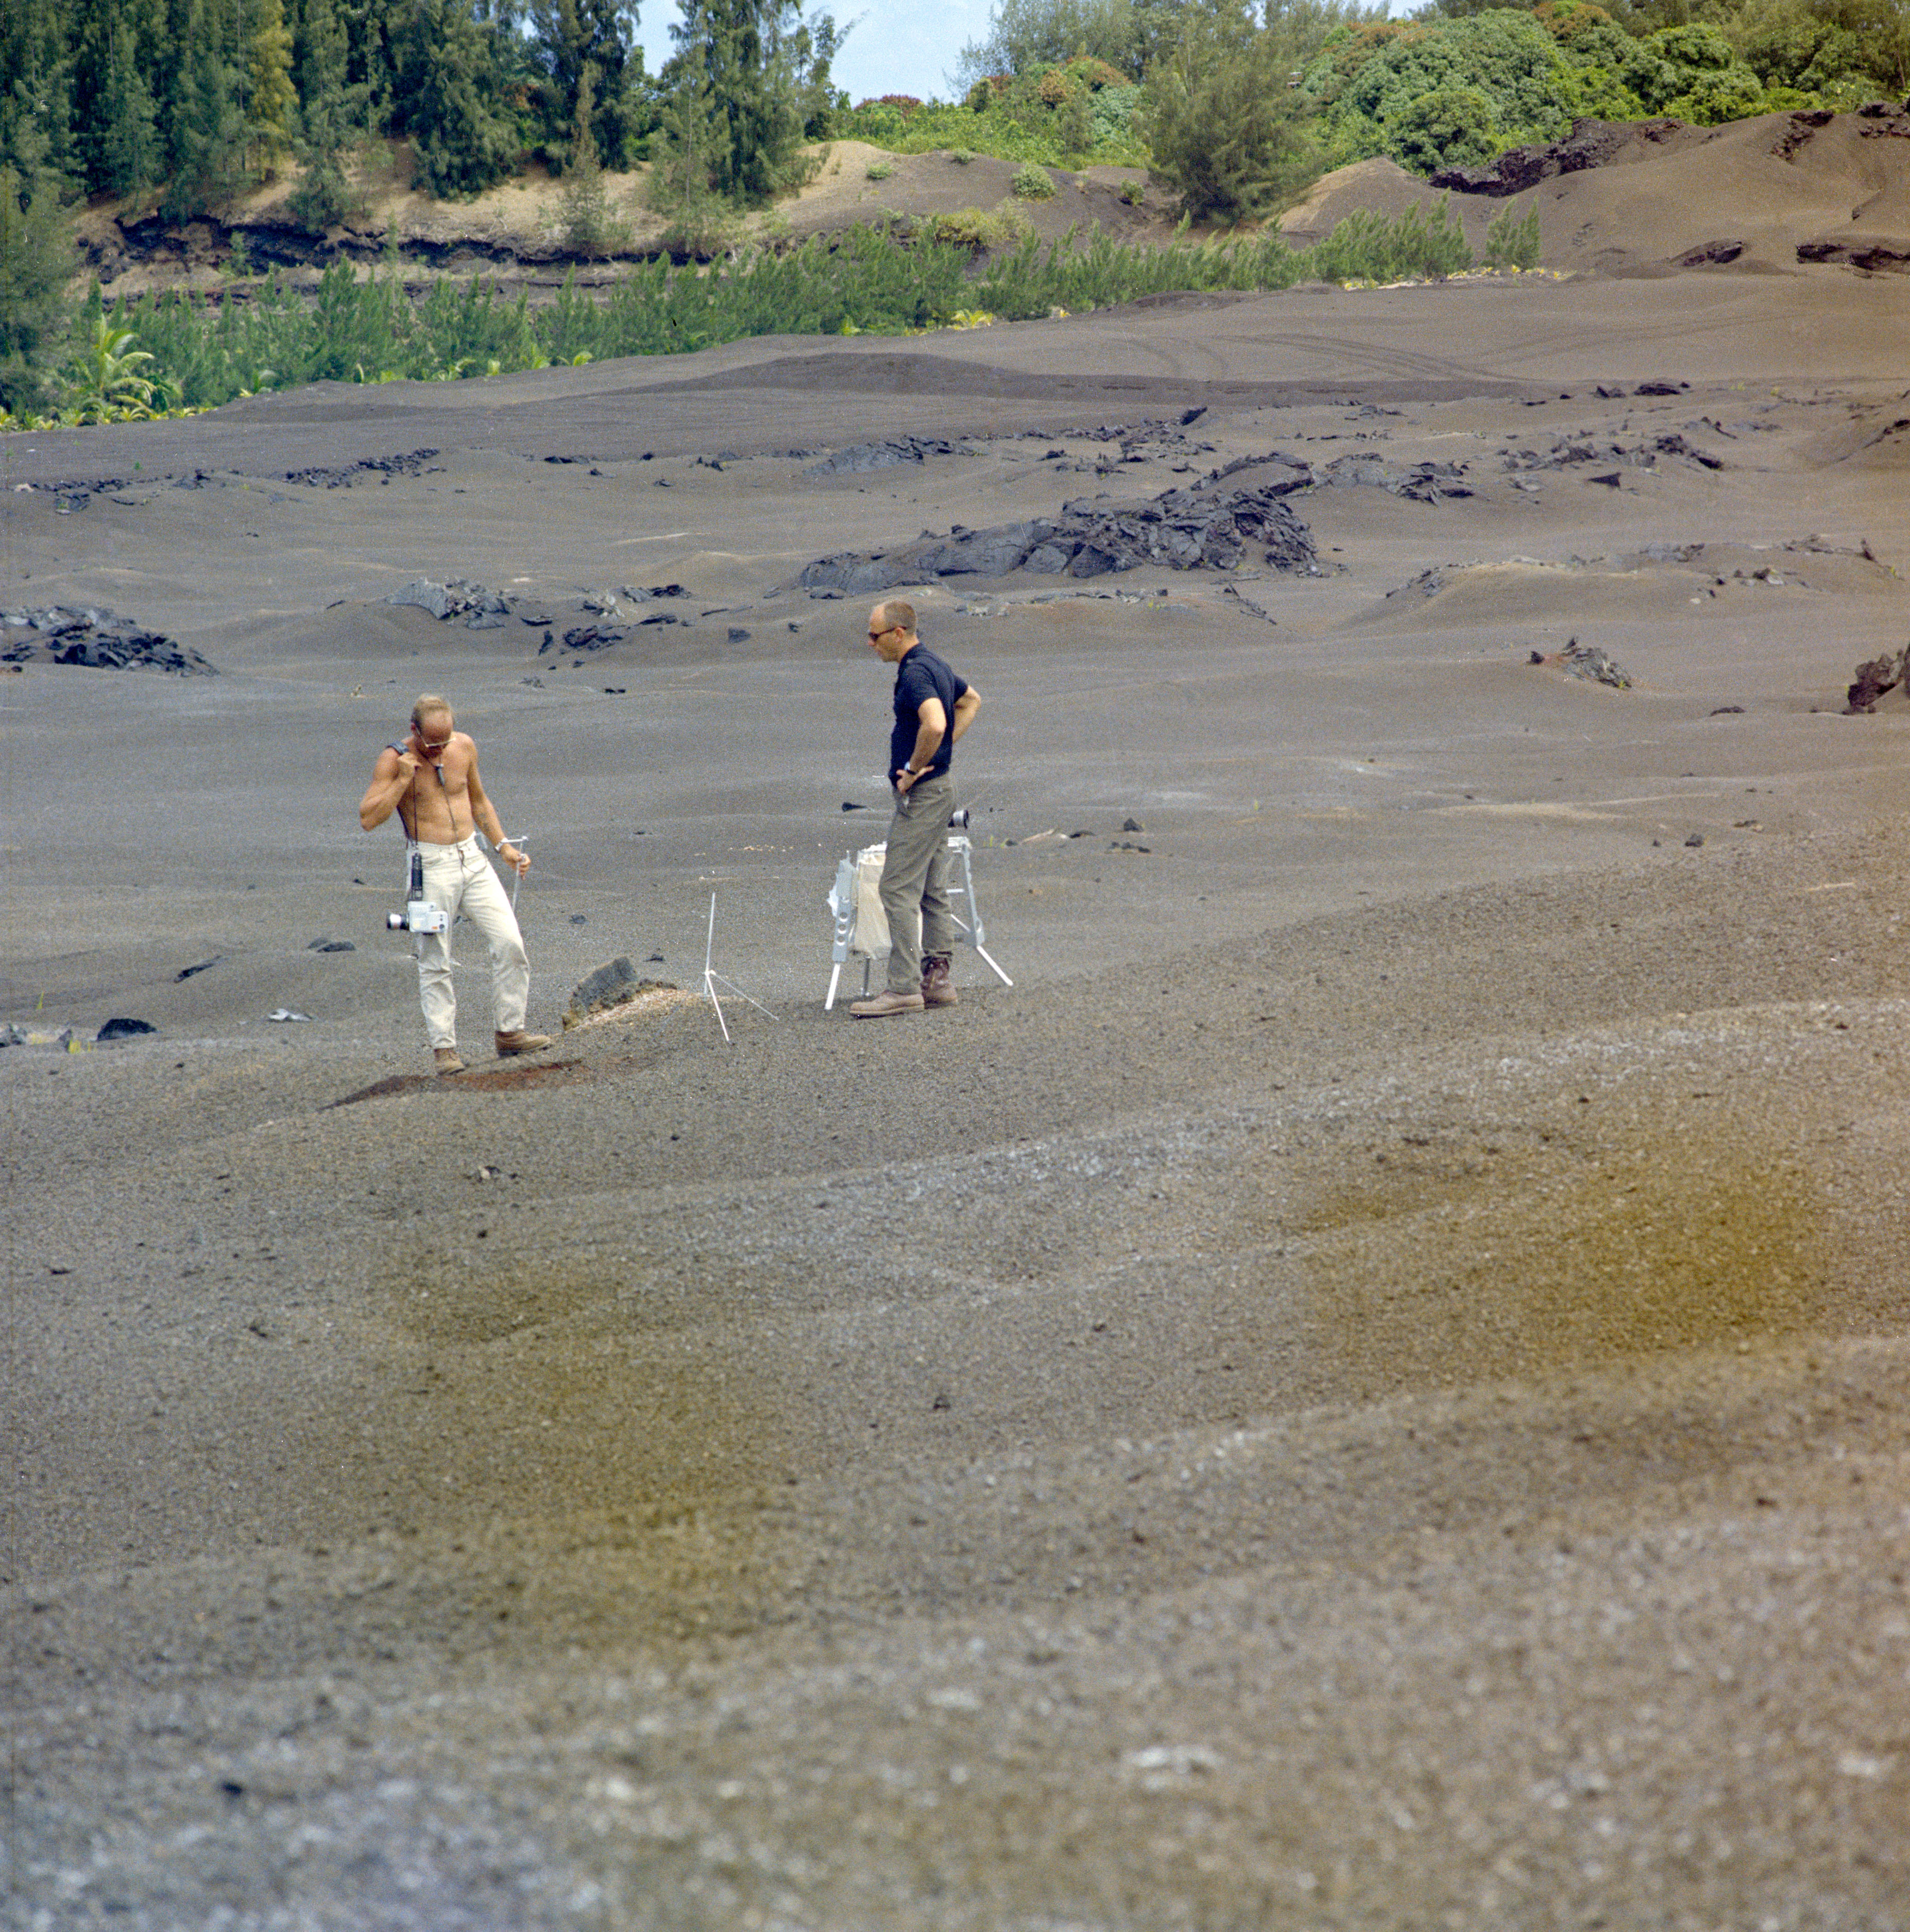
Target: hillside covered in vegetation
181	109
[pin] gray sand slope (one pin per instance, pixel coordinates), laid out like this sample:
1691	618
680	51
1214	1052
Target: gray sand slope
1368	1389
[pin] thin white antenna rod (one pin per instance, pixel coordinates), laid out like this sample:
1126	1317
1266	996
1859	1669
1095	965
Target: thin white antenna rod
711	979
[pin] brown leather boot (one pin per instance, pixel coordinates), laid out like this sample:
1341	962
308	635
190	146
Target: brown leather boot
884	1003
520	1042
447	1060
936	990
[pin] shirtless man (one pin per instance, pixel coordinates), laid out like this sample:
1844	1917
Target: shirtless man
431	781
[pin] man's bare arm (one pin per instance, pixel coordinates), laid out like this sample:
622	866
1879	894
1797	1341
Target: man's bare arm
483	815
966	705
390	779
931	722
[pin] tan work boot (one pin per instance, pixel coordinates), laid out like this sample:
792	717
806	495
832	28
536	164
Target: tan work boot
520	1042
936	990
885	1002
447	1059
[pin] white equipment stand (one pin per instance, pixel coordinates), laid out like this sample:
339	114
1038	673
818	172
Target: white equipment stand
842	904
711	979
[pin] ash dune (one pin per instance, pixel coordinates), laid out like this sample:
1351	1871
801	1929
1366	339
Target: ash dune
1367	1390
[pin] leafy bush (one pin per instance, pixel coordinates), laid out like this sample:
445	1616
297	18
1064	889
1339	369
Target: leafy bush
1451	127
108	383
1697	77
1367	85
1032	183
979	228
1113	109
1568	21
1846	51
1709	99
872	121
1057	115
880	170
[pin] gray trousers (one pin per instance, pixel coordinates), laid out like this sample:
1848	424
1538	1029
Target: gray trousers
915	881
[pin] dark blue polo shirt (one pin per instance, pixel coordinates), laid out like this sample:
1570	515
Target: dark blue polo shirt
921	676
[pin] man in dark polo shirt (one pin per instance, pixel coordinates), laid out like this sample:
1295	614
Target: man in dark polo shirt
934	707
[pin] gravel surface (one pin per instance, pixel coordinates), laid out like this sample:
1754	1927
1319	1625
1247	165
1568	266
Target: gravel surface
1367	1389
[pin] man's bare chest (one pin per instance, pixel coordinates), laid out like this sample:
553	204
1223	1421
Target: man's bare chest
438	803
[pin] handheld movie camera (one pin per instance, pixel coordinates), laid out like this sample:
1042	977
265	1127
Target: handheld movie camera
420	914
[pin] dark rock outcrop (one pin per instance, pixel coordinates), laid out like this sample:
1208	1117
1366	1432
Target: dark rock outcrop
95	639
1567	454
1180	529
481	610
412	463
1421	483
1886	257
1707	253
1588	662
863	458
1592	144
615	985
1875	679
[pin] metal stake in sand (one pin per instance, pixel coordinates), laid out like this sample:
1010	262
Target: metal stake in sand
711	979
517	878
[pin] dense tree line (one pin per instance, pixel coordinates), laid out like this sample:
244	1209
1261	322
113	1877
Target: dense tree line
194	99
191	102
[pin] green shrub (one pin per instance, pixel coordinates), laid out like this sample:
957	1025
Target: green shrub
1005	116
1709	99
1367	247
979	228
1225	128
881	170
1033	183
1513	243
1112	112
1366	86
1451	127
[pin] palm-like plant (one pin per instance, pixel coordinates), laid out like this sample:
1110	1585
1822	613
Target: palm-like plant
107	385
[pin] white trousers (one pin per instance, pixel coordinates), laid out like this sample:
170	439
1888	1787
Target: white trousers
460	878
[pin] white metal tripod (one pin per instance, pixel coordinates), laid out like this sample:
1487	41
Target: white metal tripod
711	979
